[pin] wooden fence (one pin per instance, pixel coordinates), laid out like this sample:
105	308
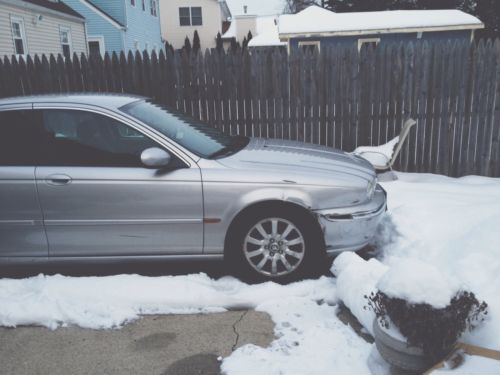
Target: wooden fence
337	97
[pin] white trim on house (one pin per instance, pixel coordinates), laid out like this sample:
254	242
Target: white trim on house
362	41
103	15
100	40
22	31
66	29
305	43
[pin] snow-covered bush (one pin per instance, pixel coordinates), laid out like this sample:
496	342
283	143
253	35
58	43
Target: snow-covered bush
426	308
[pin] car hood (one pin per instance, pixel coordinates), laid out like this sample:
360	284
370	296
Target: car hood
299	162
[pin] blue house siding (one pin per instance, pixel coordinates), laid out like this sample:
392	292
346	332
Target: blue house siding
99	26
114	8
384	38
142	27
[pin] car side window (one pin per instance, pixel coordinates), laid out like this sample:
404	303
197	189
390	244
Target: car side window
87	139
17	138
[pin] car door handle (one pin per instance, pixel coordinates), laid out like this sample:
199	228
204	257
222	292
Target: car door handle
58	179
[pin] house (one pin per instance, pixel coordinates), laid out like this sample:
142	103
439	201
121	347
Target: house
120	25
260	17
315	26
180	19
40	27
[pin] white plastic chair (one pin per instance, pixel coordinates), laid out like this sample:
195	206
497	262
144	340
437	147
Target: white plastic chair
383	157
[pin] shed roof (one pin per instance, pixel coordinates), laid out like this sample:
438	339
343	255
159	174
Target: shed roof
57	6
316	20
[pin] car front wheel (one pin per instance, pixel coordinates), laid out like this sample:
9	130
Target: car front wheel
280	246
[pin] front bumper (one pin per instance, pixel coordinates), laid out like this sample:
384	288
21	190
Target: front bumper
351	228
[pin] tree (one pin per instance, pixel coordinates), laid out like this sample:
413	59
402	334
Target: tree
244	44
219	45
249	36
196	42
295	6
187	45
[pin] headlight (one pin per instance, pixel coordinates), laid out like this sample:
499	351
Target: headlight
370	189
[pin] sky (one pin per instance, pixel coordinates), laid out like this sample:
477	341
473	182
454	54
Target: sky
257	7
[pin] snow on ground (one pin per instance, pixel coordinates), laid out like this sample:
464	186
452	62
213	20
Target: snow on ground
451	224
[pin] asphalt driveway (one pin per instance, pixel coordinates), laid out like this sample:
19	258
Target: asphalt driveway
167	345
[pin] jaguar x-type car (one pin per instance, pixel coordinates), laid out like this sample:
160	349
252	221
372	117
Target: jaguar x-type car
114	178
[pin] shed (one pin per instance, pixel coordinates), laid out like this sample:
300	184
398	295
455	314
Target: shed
316	26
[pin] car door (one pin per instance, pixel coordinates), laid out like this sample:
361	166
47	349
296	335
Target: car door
98	199
21	224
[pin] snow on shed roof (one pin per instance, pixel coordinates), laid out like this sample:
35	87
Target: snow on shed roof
318	20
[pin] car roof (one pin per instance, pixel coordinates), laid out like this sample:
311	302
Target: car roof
111	101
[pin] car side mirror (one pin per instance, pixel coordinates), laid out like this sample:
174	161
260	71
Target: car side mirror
155	157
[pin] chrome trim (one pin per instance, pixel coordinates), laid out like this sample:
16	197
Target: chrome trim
362	211
21	222
123	222
134	123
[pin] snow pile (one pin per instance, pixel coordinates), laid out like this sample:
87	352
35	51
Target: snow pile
108	302
452	224
417	282
317	20
311	340
357	278
378	156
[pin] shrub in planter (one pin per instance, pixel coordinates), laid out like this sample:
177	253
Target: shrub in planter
434	330
426	308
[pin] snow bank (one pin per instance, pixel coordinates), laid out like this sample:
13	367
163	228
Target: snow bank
108	302
452	224
357	278
317	20
417	282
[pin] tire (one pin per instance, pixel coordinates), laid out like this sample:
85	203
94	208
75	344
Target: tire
398	353
275	243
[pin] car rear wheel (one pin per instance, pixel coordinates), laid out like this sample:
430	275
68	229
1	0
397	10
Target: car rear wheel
281	246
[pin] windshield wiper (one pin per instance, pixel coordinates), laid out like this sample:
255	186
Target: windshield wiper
236	145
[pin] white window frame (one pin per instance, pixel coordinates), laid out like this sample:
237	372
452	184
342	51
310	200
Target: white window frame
67	30
153	8
100	40
20	21
362	41
305	43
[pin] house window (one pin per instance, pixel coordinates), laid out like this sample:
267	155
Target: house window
18	36
96	45
184	16
153	6
419	35
143	5
196	16
368	41
132	2
190	16
310	45
65	35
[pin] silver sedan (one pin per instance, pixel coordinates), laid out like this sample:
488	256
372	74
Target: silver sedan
114	178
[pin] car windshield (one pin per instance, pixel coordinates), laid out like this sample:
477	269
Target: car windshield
195	136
